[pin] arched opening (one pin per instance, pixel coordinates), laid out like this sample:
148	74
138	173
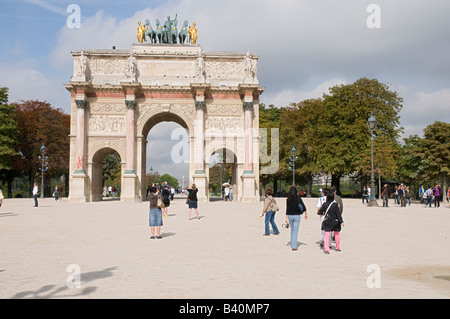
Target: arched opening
166	153
106	175
223	174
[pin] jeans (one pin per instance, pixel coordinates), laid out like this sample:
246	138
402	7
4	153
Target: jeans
36	200
436	201
385	201
270	220
294	221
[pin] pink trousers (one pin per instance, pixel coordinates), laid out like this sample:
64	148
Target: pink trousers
326	239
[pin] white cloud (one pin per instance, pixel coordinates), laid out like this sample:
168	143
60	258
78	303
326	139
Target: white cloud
27	83
288	96
423	108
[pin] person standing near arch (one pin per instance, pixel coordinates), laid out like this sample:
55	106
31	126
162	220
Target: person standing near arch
155	214
193	201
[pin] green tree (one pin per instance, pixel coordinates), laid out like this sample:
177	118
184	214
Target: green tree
8	140
299	129
112	170
435	151
171	181
343	131
41	124
8	131
269	118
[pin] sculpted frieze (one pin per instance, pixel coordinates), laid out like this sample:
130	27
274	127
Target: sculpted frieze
228	109
102	107
224	125
107	124
223	69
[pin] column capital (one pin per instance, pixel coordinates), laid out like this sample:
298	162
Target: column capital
248	106
200	105
81	104
130	104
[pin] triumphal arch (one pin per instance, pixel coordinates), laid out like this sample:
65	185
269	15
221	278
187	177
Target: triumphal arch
117	96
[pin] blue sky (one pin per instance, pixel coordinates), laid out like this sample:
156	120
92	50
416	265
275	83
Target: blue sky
305	46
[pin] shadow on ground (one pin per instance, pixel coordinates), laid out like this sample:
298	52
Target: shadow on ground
52	291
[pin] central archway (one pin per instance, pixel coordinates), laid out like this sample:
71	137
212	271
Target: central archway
178	149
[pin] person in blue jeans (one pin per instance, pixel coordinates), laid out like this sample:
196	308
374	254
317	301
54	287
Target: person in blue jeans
294	209
268	211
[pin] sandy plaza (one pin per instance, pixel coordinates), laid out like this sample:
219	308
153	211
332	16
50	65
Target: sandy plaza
386	252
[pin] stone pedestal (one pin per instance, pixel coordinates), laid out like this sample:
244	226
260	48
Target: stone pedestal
79	188
249	193
201	182
129	188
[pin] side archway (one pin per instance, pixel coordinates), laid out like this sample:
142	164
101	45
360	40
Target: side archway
95	166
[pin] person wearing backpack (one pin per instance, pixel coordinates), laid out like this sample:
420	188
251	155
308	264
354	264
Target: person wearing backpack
269	211
332	221
294	209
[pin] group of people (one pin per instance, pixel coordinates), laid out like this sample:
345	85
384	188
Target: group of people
57	192
228	193
429	195
157	212
329	208
402	195
111	191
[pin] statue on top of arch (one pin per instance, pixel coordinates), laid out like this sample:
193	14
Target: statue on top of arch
167	33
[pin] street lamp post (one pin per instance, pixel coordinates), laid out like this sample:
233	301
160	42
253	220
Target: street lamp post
371	124
44	167
293	158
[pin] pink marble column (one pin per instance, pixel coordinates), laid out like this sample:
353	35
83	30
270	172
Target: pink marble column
131	136
248	126
81	105
200	105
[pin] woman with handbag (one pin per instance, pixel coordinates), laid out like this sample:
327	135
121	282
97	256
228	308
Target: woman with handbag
269	209
155	215
332	221
294	209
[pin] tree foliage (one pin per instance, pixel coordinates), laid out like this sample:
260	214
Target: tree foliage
8	131
40	124
344	135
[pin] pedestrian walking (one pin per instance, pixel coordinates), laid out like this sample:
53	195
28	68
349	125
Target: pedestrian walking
401	196
421	193
35	194
226	193
166	200
269	212
60	192
332	222
193	200
55	192
231	193
1	197
155	214
294	209
428	196
385	194
407	196
322	200
437	195
396	199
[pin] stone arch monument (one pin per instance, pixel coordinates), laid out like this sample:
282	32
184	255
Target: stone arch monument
117	96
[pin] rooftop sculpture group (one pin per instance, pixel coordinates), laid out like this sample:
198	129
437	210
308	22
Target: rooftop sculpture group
167	33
